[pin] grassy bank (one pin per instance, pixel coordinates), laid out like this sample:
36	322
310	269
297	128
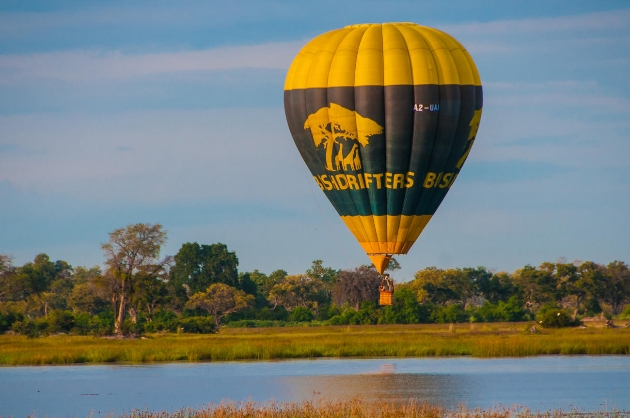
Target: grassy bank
478	340
358	409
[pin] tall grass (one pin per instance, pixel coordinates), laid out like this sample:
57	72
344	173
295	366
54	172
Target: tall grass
359	409
483	340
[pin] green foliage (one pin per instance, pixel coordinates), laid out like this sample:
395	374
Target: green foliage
299	290
82	323
133	268
510	311
198	325
61	321
57	321
220	300
327	311
393	265
592	307
626	313
454	313
8	318
43	297
495	287
556	318
162	320
325	274
301	314
102	324
130	328
27	327
246	284
387	315
366	315
407	308
198	266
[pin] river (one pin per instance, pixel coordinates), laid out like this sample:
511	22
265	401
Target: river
592	383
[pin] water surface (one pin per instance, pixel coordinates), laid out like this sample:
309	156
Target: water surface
540	383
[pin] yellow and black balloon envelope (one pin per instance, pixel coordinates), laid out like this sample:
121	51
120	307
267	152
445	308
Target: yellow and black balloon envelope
384	116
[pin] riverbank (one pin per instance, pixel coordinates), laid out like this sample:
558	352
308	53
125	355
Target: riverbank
477	340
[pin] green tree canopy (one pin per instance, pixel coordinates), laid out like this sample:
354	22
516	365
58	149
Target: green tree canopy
132	255
298	290
220	300
198	266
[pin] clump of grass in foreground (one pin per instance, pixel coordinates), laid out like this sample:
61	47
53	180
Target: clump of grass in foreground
488	340
358	409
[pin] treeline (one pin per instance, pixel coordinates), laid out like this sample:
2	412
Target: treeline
200	289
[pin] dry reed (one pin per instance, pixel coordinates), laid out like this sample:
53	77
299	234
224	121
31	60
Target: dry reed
357	408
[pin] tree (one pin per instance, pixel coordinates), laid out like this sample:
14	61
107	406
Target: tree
317	271
298	290
7	278
39	274
537	286
63	282
424	281
198	266
577	282
246	284
439	286
355	286
496	287
393	265
88	297
615	286
150	293
133	252
464	283
276	276
33	278
220	300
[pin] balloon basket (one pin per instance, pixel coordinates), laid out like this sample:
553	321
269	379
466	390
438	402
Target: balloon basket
386	298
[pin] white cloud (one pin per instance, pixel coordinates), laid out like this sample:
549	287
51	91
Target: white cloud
84	66
236	154
610	104
546	86
610	20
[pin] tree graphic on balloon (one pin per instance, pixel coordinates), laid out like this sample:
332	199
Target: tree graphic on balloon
330	125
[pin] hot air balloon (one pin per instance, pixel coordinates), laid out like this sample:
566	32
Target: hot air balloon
384	116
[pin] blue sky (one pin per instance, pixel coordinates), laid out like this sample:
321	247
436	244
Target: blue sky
120	112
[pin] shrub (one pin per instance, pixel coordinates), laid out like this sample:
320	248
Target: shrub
82	323
387	315
556	318
337	320
26	327
510	311
405	310
198	324
301	314
626	313
254	323
449	313
60	321
8	319
592	307
102	324
129	328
